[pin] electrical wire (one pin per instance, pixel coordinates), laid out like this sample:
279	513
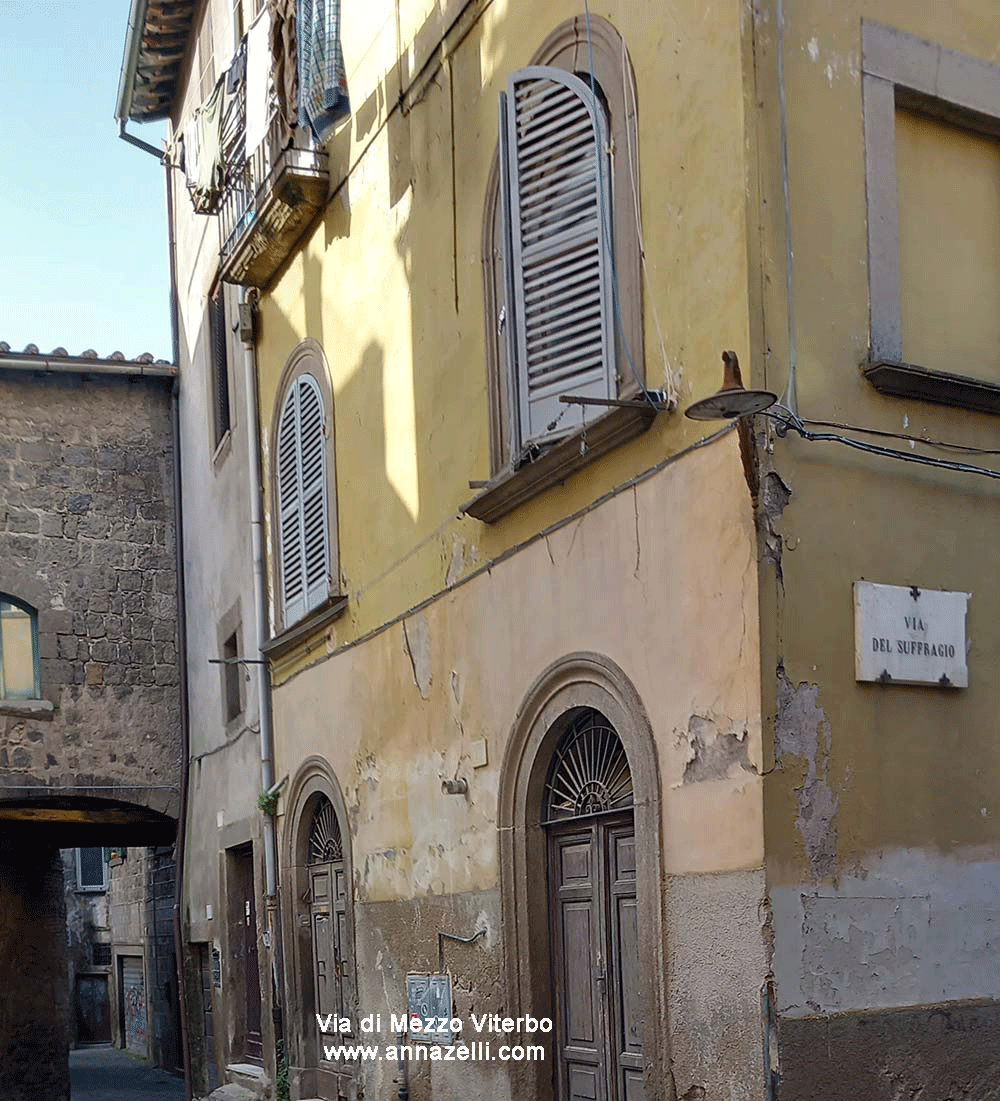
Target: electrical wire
790	420
790	395
943	444
603	219
628	85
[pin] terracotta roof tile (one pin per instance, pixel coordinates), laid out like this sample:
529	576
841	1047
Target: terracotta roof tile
31	351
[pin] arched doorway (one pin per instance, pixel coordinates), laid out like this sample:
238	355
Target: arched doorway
332	967
588	817
319	914
580	797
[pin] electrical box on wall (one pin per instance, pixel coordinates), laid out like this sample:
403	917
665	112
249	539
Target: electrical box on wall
245	323
428	998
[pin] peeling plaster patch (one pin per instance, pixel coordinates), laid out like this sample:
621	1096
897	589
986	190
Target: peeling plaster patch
855	947
416	643
775	496
799	725
910	927
456	566
713	753
813	48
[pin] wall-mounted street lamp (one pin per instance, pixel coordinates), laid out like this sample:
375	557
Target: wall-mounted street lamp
732	400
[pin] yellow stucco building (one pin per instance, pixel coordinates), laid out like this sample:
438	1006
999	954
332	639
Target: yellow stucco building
565	710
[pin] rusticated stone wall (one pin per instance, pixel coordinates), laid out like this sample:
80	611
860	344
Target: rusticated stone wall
35	1004
87	538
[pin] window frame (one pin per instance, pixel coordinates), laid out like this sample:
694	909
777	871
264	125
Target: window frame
90	888
218	332
230	626
32	613
307	358
566	49
899	70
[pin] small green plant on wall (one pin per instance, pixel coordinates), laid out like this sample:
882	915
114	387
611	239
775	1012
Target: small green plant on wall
268	802
281	1088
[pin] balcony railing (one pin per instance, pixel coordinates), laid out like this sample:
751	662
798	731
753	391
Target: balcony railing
269	199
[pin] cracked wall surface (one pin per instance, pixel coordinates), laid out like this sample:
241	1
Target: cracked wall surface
422	701
881	818
87	539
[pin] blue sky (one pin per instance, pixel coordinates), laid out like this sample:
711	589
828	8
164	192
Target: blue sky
82	214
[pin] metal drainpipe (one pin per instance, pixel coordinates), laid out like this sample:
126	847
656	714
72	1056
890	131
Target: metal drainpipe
181	649
182	680
260	605
263	671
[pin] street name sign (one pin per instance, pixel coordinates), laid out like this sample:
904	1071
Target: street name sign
910	635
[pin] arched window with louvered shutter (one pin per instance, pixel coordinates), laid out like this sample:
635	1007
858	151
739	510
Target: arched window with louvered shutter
303	501
560	237
554	161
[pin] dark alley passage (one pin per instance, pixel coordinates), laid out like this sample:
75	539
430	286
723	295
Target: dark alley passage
107	1074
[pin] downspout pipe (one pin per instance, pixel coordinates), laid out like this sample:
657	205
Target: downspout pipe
145	146
182	653
261	618
261	628
182	656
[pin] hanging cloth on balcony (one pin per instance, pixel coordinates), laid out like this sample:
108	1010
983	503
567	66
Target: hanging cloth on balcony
322	77
207	124
284	66
258	82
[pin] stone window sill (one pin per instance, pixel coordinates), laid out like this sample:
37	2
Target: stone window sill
27	709
906	380
512	488
318	618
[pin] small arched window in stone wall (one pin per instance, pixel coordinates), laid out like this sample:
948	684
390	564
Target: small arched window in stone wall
590	773
19	677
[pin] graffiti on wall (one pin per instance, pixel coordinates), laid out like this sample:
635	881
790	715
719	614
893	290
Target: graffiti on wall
134	1004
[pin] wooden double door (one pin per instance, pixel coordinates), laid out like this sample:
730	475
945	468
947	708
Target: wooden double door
328	916
595	960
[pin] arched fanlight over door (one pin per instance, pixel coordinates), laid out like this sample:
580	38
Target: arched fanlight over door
325	845
589	773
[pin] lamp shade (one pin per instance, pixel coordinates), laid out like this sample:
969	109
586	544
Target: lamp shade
732	399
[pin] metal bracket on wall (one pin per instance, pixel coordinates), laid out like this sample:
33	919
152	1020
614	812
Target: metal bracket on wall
656	398
236	661
442	937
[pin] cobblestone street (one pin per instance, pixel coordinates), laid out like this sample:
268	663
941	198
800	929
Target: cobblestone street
107	1074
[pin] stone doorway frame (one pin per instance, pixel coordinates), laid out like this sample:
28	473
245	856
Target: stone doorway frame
576	681
314	779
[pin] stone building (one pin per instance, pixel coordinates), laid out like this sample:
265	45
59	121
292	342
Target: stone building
90	717
567	701
88	945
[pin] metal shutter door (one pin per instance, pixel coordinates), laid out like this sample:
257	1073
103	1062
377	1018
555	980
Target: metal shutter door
560	210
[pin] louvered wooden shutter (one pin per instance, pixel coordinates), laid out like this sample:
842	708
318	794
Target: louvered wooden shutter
315	529
220	364
559	203
302	500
